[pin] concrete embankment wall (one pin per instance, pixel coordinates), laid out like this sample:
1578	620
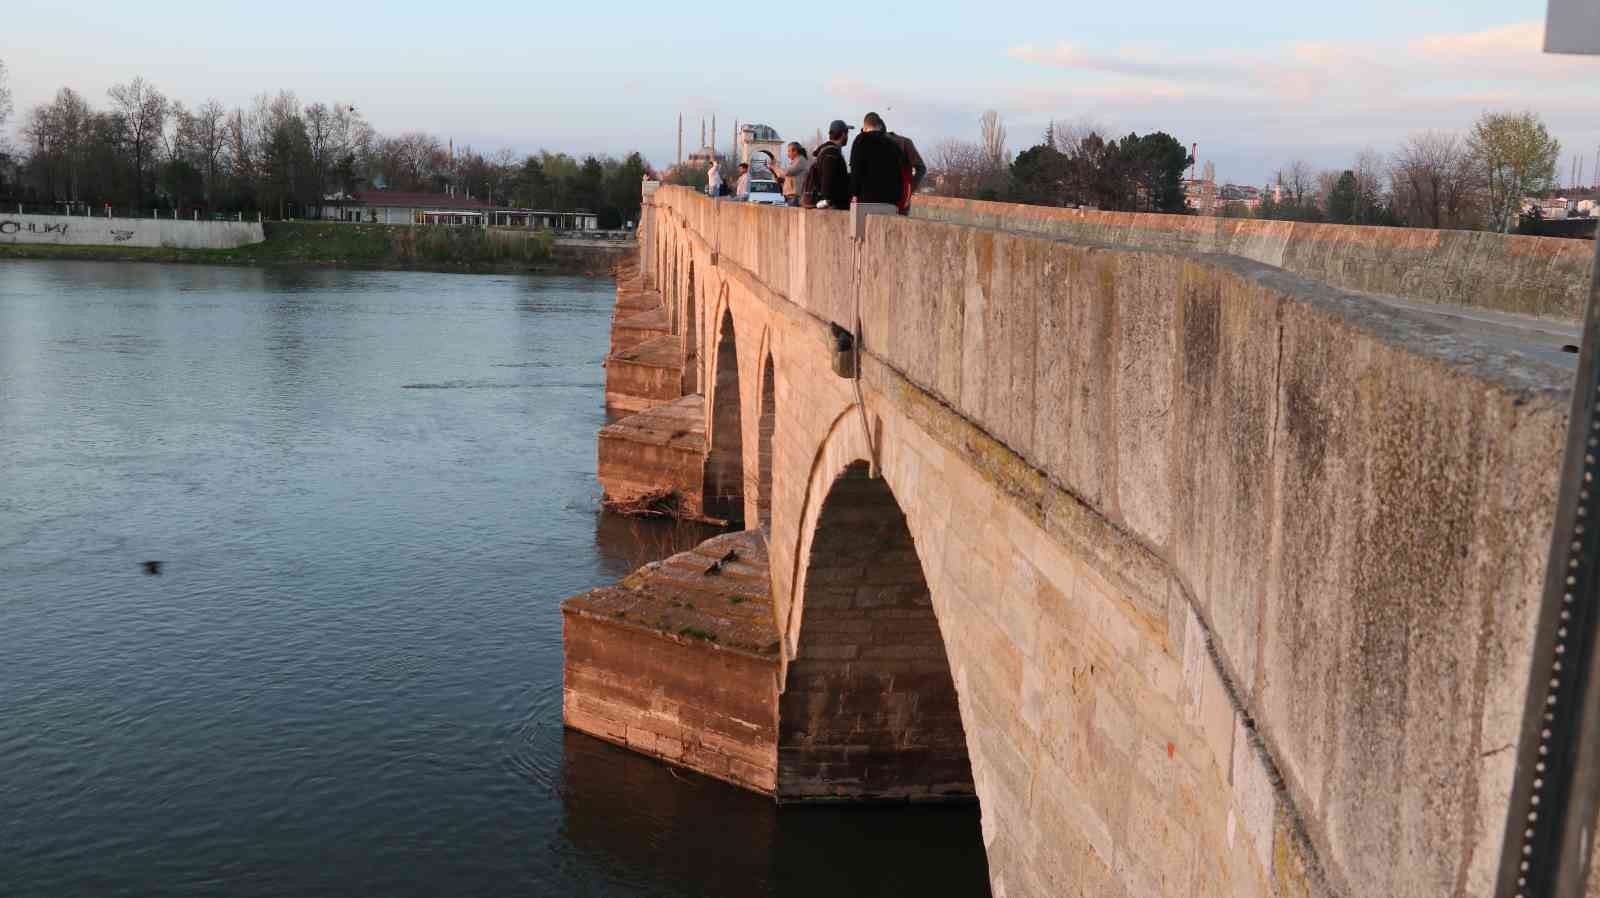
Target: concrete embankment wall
76	230
1236	571
1547	276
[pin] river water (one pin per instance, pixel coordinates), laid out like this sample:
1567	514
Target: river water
368	492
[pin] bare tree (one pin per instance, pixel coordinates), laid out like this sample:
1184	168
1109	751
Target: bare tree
1368	169
1209	171
1434	181
208	140
141	111
1296	180
993	130
5	95
57	136
1070	135
1517	156
959	167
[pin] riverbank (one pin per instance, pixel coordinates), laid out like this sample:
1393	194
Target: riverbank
366	246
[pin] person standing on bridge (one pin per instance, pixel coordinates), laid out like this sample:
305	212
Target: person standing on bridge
741	187
828	180
879	171
915	170
714	178
793	174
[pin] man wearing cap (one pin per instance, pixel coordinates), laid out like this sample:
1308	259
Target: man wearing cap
828	180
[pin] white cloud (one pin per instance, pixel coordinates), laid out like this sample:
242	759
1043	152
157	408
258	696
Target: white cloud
1317	100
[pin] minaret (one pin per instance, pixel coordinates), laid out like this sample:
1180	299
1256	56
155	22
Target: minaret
680	138
713	144
702	131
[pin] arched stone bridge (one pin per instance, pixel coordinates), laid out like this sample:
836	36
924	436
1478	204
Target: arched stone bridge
1206	577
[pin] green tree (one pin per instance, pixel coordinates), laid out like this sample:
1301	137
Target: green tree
1343	199
1155	164
1041	175
1518	156
622	192
589	187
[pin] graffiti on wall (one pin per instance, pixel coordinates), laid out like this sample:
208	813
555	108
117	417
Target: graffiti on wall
9	227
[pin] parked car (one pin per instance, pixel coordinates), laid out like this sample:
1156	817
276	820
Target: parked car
765	189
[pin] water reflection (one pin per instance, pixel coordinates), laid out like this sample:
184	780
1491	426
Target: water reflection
708	838
347	679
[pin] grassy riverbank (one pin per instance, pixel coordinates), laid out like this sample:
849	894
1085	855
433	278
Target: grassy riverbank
364	246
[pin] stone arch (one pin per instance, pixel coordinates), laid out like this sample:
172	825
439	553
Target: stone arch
869	710
724	473
691	347
766	425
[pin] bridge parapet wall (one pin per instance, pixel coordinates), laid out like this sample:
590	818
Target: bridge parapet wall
1545	276
1315	522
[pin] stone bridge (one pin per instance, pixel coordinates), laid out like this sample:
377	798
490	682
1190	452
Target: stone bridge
1204	574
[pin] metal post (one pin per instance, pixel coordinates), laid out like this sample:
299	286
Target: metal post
1556	787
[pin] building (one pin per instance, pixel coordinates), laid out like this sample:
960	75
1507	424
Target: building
397	207
761	142
704	155
1200	195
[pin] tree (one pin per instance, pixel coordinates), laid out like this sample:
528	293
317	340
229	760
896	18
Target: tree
1343	199
1517	156
958	167
5	95
1155	163
622	189
1434	181
589	186
1041	175
141	111
1371	207
1295	180
993	131
207	140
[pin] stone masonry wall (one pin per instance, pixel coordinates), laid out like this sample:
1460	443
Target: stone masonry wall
1235	572
1546	276
869	706
649	691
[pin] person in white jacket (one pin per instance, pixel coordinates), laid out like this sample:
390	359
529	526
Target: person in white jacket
714	178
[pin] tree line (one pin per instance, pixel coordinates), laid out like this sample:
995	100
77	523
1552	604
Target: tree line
1069	166
1433	180
276	156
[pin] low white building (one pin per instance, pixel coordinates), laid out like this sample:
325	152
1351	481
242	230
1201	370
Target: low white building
395	207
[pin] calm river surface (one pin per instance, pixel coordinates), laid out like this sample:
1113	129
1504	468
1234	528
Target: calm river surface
369	491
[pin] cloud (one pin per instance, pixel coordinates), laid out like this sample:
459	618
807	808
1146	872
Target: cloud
1318	100
1130	63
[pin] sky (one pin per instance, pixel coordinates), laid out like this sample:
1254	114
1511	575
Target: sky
1254	83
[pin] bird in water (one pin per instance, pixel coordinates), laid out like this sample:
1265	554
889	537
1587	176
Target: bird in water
152	568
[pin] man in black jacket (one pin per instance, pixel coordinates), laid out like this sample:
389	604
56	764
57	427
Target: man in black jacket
827	184
878	168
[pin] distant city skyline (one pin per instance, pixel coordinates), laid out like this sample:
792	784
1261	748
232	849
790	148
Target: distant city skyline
1254	84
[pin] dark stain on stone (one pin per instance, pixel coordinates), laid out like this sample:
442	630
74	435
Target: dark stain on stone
1202	336
1308	425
